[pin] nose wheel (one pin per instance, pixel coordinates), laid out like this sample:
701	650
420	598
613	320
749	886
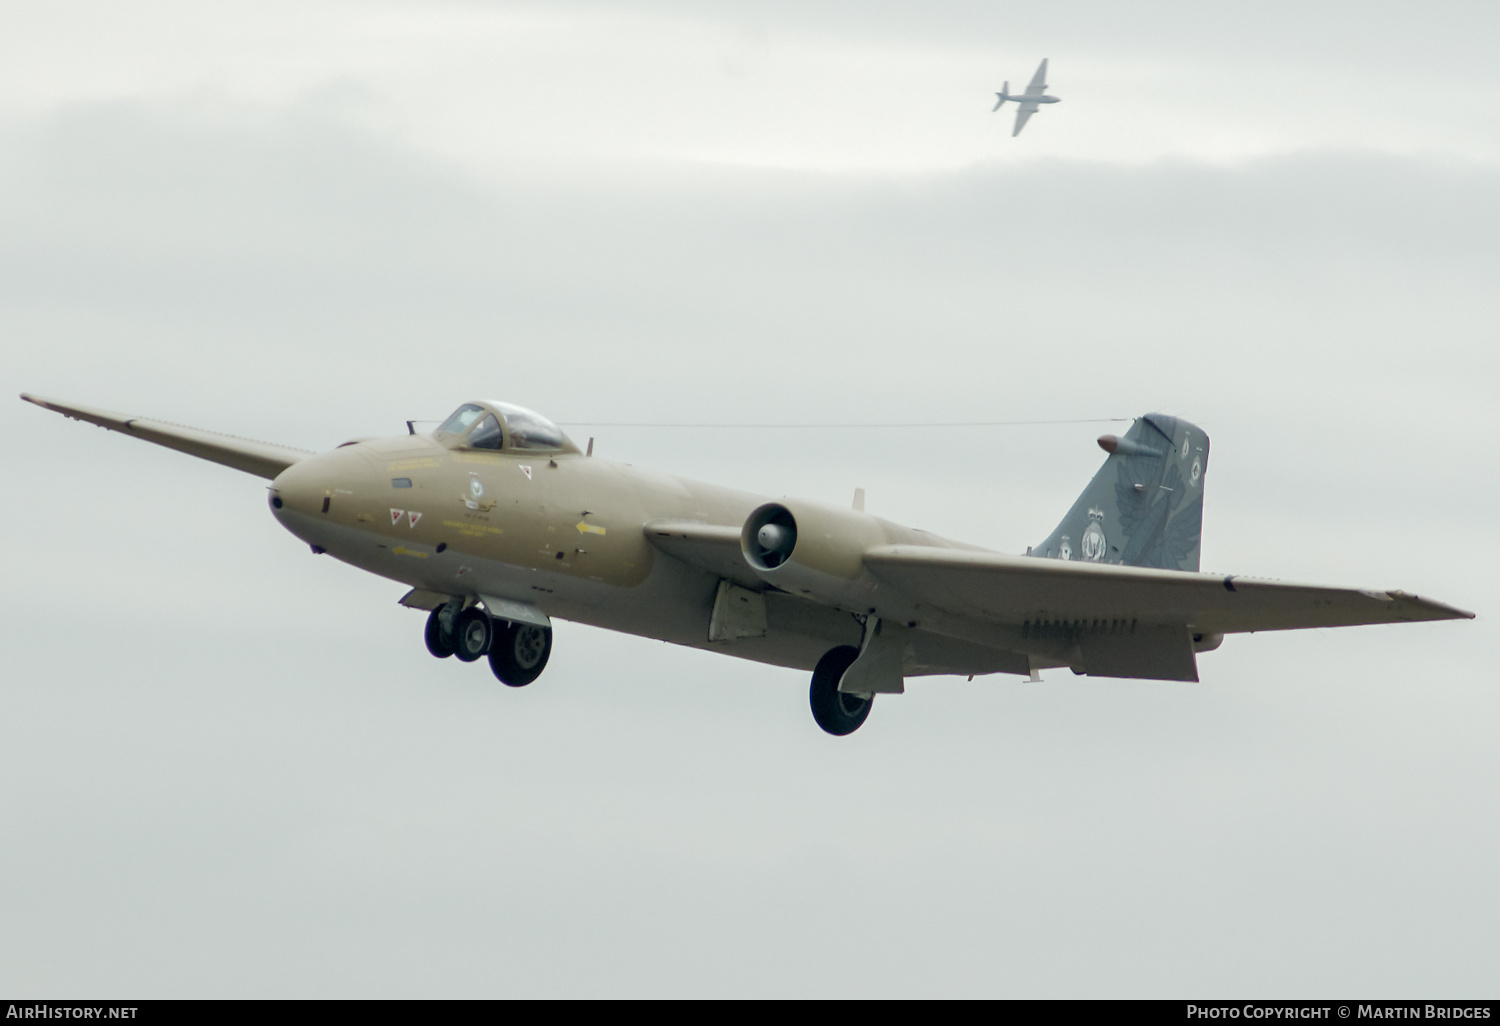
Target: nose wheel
518	655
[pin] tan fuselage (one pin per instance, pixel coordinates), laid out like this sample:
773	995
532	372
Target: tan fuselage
566	533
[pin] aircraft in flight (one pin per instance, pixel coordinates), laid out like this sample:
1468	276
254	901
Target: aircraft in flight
1036	93
496	523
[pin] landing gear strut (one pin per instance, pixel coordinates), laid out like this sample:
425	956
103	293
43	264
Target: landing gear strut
837	712
518	655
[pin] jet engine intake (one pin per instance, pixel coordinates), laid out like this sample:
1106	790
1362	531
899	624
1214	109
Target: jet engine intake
769	536
809	549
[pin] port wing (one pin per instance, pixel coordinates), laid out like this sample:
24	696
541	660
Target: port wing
259	458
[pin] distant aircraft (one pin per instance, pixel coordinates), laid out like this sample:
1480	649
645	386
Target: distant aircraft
1035	93
503	523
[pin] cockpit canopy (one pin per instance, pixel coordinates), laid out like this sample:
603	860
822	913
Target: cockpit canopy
502	427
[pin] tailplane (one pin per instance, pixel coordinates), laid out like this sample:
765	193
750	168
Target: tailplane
1003	94
1145	505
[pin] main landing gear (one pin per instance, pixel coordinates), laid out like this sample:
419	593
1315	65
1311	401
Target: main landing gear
837	712
518	651
518	655
471	634
440	632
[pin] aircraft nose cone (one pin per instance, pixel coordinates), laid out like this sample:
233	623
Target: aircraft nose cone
297	489
312	497
300	497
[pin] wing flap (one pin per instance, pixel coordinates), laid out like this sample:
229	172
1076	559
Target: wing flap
259	458
1018	589
1163	652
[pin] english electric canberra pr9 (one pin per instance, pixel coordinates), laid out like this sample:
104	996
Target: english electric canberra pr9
496	522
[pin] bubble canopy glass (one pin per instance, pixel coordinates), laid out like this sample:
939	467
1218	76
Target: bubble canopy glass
496	425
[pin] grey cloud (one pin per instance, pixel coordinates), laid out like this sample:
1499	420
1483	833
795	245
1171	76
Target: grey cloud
1447	41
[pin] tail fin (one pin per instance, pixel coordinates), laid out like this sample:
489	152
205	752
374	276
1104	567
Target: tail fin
1002	96
1145	506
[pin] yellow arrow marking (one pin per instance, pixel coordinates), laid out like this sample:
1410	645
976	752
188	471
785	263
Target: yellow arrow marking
403	551
587	528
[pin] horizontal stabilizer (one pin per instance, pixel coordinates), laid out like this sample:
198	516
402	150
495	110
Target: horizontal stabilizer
259	458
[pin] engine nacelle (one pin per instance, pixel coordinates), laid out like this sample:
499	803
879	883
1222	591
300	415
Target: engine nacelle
806	548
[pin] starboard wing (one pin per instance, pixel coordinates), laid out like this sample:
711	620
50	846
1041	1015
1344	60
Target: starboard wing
260	458
1004	589
1038	86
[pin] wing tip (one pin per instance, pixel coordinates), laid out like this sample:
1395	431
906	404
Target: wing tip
1445	611
87	414
72	413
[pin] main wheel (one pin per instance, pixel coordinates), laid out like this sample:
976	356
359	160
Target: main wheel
471	634
519	653
836	711
439	635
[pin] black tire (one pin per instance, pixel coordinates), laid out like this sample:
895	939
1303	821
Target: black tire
439	640
471	634
835	711
519	653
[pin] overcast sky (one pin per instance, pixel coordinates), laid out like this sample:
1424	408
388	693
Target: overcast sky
231	769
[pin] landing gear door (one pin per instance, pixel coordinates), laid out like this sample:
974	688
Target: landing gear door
878	670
